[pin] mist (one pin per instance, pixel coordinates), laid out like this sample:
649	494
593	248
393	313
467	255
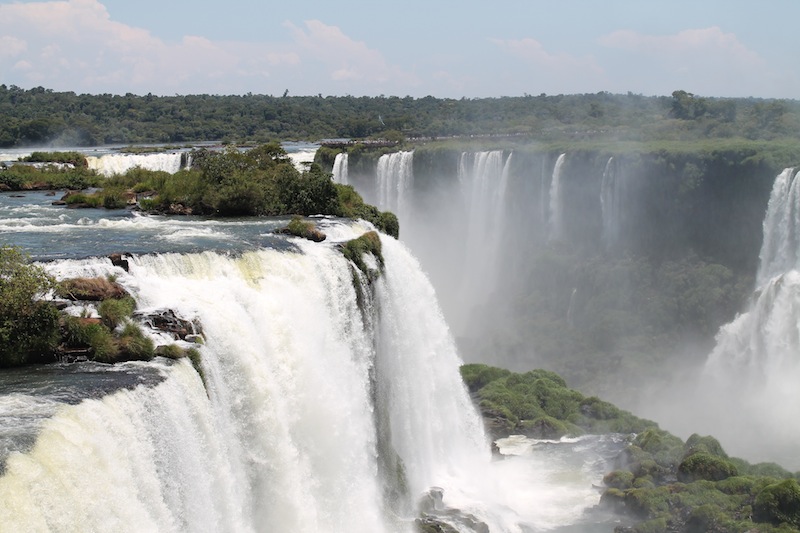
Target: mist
630	274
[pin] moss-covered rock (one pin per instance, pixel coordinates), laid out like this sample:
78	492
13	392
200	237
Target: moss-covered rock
545	427
300	227
707	444
778	503
619	479
368	243
703	465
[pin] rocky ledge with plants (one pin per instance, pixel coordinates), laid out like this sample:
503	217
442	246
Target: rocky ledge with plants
664	484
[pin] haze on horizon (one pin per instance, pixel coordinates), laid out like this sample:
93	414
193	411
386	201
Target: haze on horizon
714	48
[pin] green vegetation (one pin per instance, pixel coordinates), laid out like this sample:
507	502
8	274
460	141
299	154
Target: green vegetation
72	158
304	229
368	243
114	311
40	115
539	404
22	177
28	326
660	481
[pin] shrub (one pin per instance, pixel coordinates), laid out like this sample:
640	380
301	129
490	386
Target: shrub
134	344
114	311
477	376
28	326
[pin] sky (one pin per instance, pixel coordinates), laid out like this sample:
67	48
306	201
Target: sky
724	48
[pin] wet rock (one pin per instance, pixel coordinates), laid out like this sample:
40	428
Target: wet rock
168	322
119	260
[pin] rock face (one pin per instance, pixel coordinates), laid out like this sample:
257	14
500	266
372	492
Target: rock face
91	289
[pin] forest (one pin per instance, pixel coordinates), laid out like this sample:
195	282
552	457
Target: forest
40	116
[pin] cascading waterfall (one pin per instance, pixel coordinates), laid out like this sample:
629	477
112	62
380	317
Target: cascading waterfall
282	433
556	202
111	164
484	178
780	250
611	200
395	180
340	174
755	366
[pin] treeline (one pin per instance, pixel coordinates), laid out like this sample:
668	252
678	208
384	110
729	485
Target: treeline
42	116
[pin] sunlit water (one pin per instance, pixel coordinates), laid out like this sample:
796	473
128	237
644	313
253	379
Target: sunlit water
315	413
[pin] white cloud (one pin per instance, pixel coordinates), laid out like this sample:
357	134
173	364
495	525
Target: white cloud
710	42
345	58
534	52
75	45
706	61
11	46
547	71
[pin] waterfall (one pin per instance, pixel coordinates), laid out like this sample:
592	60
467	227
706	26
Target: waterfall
340	168
483	177
395	179
556	202
111	164
780	250
304	394
610	203
754	369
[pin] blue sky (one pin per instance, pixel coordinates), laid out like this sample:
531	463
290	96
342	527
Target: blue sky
415	48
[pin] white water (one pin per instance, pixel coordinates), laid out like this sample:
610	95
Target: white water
556	202
611	200
395	178
306	401
754	369
111	164
302	157
340	173
483	177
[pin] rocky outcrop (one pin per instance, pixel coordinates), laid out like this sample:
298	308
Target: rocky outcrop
90	289
167	321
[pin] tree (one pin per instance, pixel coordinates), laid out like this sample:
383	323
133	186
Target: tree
28	326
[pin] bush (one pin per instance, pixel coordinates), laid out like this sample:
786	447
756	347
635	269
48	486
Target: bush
134	344
28	326
114	311
477	376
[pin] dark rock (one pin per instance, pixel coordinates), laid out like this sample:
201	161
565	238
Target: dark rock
168	322
178	209
119	260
